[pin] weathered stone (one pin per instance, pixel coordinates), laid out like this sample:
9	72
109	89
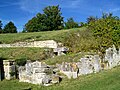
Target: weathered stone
55	79
35	72
46	80
42	44
96	63
112	56
9	69
60	51
74	74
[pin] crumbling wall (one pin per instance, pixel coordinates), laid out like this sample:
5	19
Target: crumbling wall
41	44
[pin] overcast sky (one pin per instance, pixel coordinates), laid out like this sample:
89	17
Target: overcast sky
20	11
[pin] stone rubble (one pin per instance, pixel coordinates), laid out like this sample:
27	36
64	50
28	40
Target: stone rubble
35	73
40	73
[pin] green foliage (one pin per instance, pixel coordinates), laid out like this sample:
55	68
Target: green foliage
91	19
21	62
53	20
50	20
10	28
12	73
106	30
0	26
36	24
71	24
80	40
82	24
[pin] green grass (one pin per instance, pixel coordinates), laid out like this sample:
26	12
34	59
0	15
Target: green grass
55	35
23	53
77	39
65	58
38	54
105	80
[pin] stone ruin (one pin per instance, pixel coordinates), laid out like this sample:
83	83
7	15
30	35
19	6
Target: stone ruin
9	68
69	69
41	73
41	44
112	56
60	51
37	73
58	48
88	64
34	72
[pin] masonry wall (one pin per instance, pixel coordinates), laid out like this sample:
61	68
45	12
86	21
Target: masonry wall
41	44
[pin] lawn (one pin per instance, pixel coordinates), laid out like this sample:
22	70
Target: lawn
105	80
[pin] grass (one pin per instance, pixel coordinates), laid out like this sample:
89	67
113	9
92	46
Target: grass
74	57
105	80
77	40
47	35
23	53
38	54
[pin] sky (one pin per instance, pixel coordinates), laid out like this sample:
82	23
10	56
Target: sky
20	11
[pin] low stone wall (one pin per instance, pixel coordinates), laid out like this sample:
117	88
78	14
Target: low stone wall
88	64
41	44
91	64
37	73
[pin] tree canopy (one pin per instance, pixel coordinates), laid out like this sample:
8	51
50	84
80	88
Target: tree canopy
71	23
10	28
106	30
50	20
0	26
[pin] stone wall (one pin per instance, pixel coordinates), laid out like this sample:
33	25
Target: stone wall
9	69
41	73
91	64
37	73
86	65
41	44
112	56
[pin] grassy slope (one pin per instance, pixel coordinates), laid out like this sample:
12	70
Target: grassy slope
22	53
37	53
55	35
105	80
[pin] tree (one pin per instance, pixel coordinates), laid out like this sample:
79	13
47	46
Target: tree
106	30
53	20
10	28
71	24
50	20
82	24
91	19
31	26
36	24
0	26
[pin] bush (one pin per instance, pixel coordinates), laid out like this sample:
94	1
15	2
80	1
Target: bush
21	62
